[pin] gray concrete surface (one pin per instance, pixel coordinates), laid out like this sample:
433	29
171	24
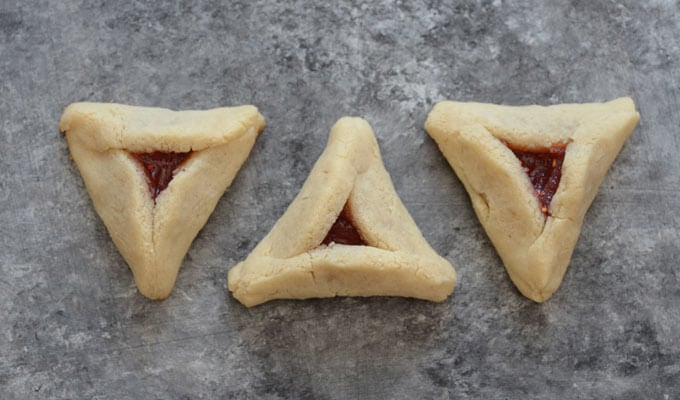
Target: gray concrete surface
72	324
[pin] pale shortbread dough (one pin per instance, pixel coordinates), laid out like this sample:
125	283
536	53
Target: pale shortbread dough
535	250
290	263
153	238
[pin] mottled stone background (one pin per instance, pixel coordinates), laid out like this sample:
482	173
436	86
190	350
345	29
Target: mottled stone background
72	324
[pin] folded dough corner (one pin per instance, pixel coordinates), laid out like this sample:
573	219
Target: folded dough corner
531	173
155	176
346	233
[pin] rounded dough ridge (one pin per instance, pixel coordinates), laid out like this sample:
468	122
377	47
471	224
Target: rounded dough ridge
104	126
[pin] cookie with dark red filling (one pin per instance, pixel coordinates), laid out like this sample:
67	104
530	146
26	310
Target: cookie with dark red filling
531	173
347	233
155	176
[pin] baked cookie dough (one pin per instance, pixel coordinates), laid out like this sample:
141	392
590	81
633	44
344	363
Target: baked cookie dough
531	173
345	234
155	176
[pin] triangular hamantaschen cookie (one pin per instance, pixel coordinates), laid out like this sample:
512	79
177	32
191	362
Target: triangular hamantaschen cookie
531	173
155	176
345	234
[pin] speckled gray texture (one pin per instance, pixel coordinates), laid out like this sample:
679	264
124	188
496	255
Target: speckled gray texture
72	324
